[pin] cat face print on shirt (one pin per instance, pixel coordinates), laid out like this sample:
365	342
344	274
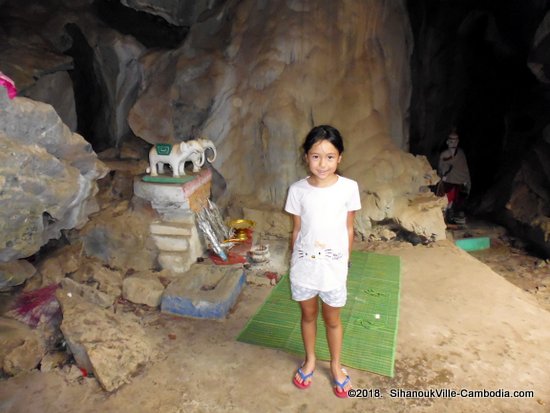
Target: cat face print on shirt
318	251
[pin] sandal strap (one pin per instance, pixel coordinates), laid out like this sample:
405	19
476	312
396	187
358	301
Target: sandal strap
303	376
344	383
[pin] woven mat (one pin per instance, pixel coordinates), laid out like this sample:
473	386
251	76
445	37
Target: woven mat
369	318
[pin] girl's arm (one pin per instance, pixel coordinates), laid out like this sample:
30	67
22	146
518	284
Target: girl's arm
295	230
351	217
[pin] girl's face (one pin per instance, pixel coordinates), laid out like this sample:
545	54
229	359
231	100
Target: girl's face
323	159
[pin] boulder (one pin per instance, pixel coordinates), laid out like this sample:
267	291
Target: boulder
112	346
143	289
48	176
94	272
21	348
116	236
60	263
87	292
15	273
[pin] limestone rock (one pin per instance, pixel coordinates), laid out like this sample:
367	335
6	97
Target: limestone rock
48	177
538	57
14	273
54	360
37	54
143	289
422	216
21	348
118	75
113	346
527	208
107	280
179	13
56	89
120	239
59	264
89	293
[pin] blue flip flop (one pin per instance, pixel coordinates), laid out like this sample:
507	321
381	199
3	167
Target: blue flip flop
302	385
343	394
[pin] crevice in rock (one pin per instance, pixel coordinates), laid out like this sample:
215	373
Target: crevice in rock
88	89
150	30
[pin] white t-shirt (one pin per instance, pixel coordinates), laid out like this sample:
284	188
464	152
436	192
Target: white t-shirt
321	250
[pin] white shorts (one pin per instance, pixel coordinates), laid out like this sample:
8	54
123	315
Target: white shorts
334	298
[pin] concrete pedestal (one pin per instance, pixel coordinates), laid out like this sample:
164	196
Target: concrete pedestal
175	233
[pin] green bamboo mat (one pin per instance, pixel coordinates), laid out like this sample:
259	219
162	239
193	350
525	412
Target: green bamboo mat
369	340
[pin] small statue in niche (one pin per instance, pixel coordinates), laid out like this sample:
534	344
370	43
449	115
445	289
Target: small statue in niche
177	155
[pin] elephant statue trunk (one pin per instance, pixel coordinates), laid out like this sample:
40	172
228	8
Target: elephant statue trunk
208	144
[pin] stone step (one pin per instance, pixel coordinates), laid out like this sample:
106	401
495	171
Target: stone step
178	262
171	243
163	228
180	216
166	211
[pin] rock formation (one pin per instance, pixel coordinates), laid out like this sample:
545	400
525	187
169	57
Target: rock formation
281	70
254	77
48	177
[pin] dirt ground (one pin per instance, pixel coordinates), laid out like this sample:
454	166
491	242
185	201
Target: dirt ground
463	326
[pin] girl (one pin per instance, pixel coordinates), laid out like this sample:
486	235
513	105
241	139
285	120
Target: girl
323	207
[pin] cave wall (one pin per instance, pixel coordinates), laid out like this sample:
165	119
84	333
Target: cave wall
270	71
251	75
481	67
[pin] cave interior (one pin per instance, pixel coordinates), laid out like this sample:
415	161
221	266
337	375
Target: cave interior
471	70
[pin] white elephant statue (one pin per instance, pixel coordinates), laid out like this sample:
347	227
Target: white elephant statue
197	157
202	145
175	156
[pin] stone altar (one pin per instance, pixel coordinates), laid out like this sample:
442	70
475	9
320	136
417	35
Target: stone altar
175	232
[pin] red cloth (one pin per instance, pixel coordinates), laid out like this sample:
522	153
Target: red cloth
237	254
231	259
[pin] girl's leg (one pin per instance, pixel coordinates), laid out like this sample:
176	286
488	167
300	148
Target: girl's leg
333	325
310	311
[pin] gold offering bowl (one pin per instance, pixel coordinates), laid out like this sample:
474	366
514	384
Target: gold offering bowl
240	224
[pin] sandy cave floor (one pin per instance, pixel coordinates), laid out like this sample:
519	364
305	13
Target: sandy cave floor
462	326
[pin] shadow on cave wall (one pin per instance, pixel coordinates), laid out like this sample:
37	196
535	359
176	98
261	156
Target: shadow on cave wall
150	30
89	92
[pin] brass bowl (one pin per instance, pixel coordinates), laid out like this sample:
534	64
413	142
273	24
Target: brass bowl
241	224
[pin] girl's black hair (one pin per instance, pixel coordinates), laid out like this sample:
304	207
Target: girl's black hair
321	133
